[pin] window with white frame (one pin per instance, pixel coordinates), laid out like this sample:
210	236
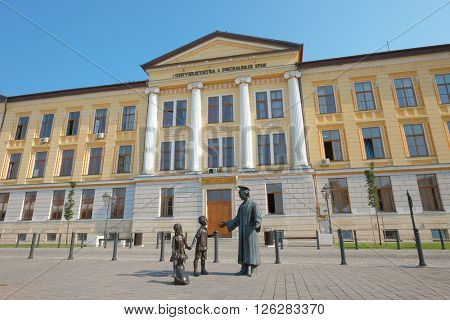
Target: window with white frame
220	109
174	113
269	104
272	149
173	155
443	86
221	152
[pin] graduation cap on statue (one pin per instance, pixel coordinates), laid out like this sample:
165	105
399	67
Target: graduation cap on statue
242	188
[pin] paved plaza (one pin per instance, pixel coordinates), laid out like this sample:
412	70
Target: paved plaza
304	273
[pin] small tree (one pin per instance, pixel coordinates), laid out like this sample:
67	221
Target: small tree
68	207
372	194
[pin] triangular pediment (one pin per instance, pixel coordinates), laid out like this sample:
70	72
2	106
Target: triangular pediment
220	45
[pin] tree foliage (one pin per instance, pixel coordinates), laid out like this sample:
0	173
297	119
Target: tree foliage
68	206
372	195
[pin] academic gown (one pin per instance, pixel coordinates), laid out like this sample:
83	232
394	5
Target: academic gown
248	219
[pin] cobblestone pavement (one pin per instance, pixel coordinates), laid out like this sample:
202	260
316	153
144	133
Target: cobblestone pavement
305	273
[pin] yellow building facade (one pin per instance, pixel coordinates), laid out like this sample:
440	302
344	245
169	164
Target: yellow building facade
228	110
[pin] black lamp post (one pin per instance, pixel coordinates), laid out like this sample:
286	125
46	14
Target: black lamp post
416	232
326	191
109	200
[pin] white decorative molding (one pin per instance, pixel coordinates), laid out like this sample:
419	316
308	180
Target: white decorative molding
243	80
291	74
195	85
154	90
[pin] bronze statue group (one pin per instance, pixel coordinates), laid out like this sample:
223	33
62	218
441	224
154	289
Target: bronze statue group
248	219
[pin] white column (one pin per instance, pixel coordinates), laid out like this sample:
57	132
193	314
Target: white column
151	127
245	125
195	137
298	141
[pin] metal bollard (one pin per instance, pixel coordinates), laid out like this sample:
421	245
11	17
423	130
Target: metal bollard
441	238
419	248
18	240
158	236
397	239
356	239
277	248
216	246
38	240
72	241
131	241
317	240
341	245
281	239
161	257
59	241
33	243
116	238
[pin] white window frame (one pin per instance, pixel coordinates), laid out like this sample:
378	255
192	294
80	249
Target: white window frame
220	108
175	113
272	149
221	151
269	103
172	156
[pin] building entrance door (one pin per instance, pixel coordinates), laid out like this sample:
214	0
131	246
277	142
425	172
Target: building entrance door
219	209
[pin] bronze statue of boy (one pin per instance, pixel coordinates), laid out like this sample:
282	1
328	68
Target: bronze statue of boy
179	257
201	246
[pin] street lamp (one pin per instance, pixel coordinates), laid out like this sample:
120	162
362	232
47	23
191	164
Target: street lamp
326	191
109	200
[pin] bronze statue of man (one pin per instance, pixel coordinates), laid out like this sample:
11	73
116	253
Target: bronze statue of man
248	219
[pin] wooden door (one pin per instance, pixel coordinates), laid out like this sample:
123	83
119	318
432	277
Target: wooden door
219	209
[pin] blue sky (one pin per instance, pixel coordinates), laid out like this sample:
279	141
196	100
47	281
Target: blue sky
121	35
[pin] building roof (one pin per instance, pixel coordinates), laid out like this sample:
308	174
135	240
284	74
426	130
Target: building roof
376	56
222	34
76	91
2	98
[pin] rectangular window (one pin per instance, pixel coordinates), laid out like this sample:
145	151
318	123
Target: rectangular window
213	153
325	97
339	195
128	118
87	203
167	202
66	163
332	145
279	148
274	99
118	208
364	96
347	235
180	148
274	198
13	166
81	237
429	192
405	92
174	117
213	110
443	86
72	123
373	143
228	152
21	130
95	161
168	114
227	108
124	160
436	236
264	149
166	148
385	195
22	236
262	111
276	103
4	198
415	138
28	205
181	113
100	121
46	126
390	235
39	164
57	205
51	237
